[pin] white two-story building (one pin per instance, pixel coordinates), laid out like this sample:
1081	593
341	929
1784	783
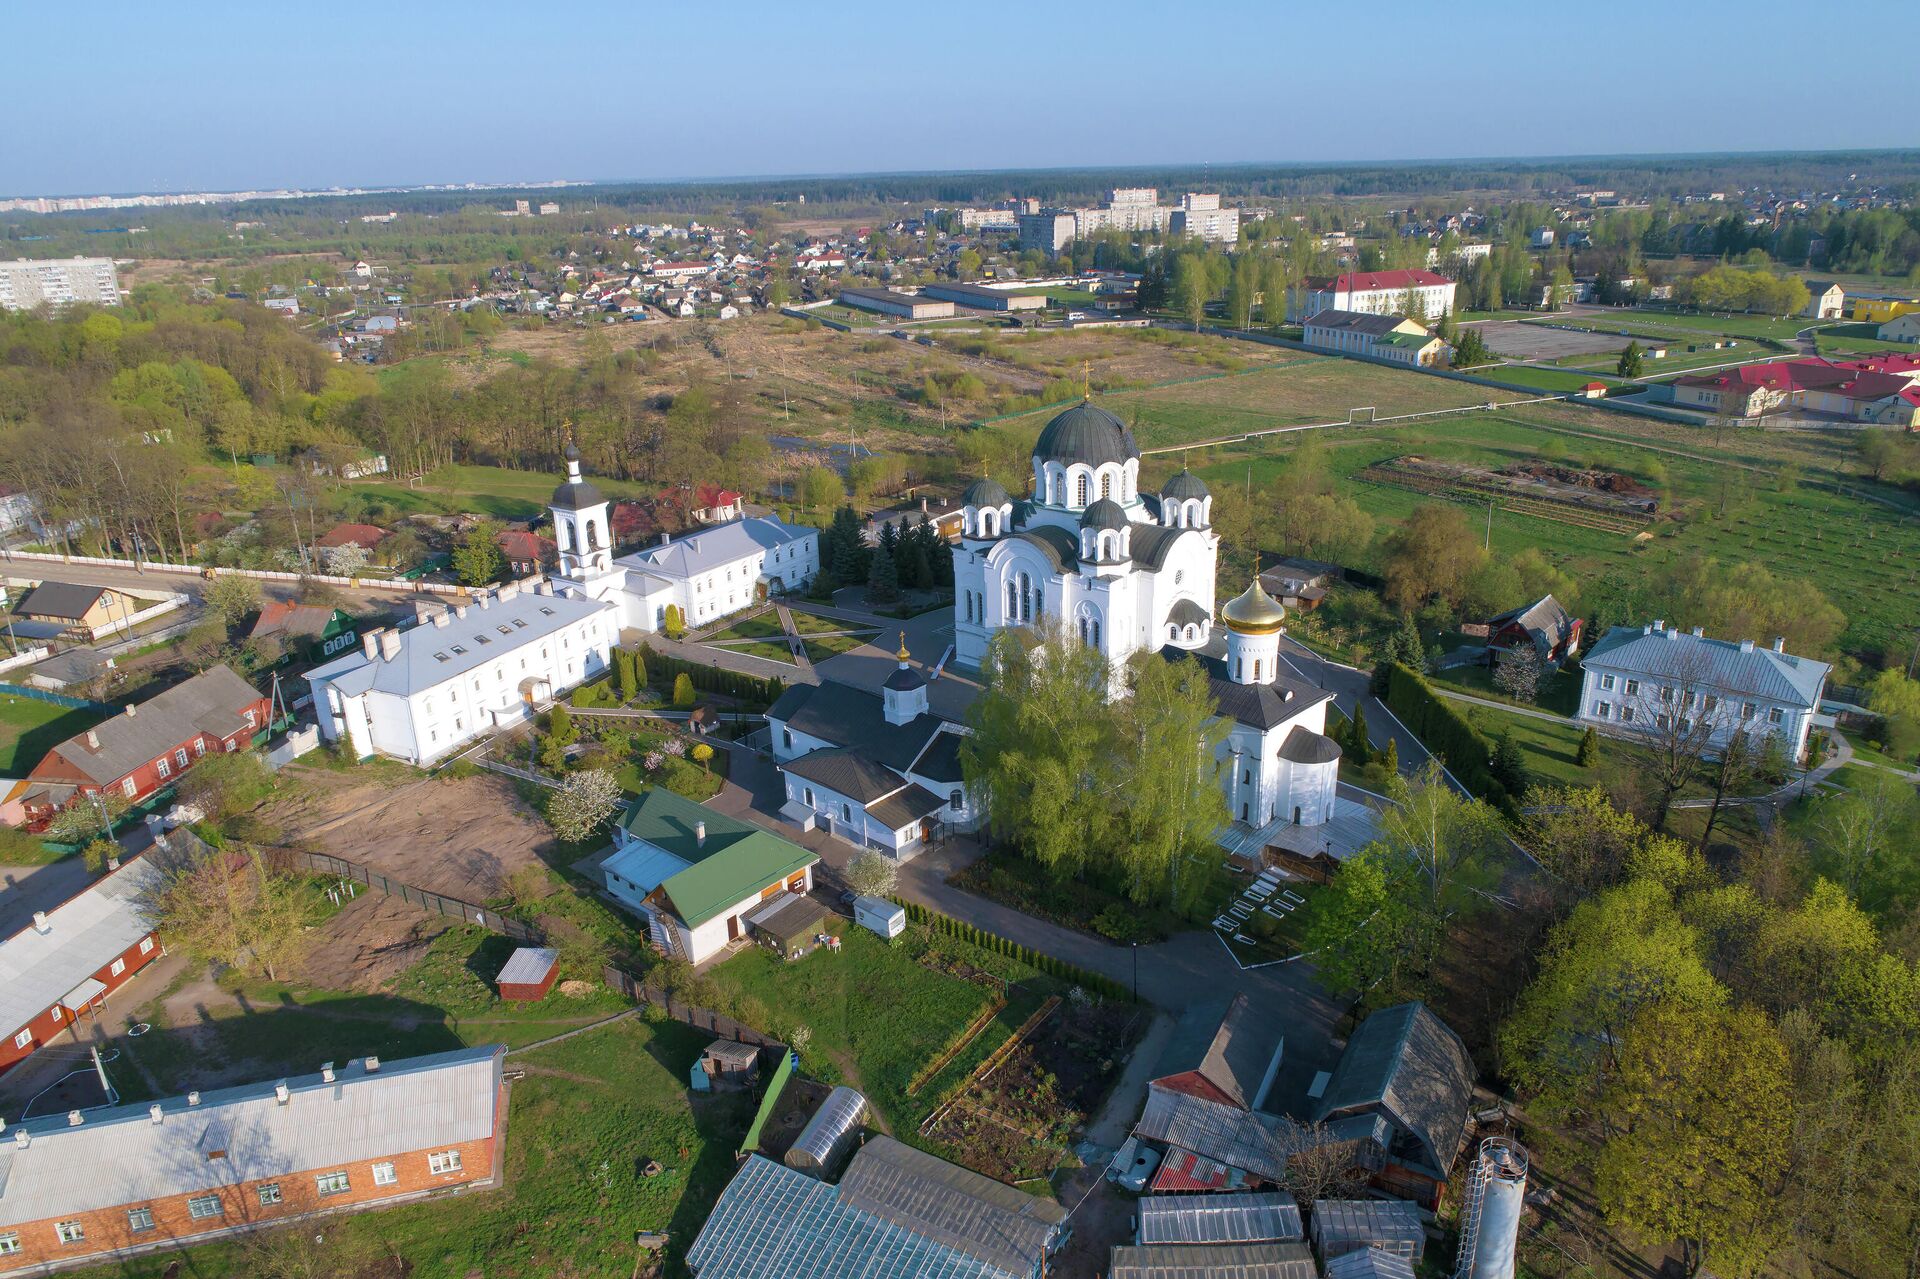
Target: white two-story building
418	693
1659	679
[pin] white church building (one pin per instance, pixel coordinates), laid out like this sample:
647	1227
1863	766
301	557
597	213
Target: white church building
707	574
1129	572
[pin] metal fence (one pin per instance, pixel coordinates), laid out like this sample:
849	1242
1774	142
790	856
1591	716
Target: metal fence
719	1025
434	903
56	699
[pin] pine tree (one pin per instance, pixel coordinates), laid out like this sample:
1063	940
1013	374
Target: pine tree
1359	750
1589	753
883	581
1509	765
1629	365
1390	758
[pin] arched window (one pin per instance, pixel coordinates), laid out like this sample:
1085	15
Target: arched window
1013	600
1173	632
593	535
1192	631
1083	630
1106	484
1096	632
1106	551
1256	670
1081	488
1239	668
957	800
1026	598
560	532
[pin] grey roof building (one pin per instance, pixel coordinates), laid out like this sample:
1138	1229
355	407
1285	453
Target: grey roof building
53	958
1369	1263
1222	1050
1738	667
891	1217
1213	1261
1408	1066
1553	632
1365	322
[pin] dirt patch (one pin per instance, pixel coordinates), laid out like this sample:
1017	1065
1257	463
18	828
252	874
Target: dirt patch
367	945
1598	481
463	837
1591	499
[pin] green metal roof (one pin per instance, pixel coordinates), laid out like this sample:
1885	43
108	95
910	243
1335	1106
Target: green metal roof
735	861
1405	339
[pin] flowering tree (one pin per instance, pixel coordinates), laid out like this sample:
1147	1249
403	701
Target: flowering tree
576	810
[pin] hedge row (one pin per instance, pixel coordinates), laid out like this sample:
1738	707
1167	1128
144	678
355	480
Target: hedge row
1443	729
662	668
1092	982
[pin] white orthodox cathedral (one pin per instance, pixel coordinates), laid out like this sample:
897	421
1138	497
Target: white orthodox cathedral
1128	572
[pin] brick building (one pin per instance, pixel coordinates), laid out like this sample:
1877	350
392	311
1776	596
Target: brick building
119	1182
64	964
146	747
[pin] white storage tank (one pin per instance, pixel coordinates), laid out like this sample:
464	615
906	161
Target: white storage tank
889	919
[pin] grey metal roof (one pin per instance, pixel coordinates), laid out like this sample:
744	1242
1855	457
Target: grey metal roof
84	934
211	702
528	966
1104	513
66	600
1338	1222
1087	434
1234	1047
1355	321
692	554
432	654
1186	612
986	491
1408	1063
1261	706
1245	1217
1671	653
853	717
1545	620
899	810
940	762
1213	1261
121	1156
1061	548
953	1206
1245	1139
775	1223
842	769
1304	746
789	917
1369	1263
1184	484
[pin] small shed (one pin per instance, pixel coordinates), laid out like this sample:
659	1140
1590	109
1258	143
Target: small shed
529	973
728	1064
788	922
830	1135
889	919
1341	1226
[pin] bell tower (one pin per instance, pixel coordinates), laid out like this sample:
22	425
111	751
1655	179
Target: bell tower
581	534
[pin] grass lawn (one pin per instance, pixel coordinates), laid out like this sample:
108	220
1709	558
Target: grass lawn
766	649
876	1013
1550	746
29	728
762	626
1866	751
1559	692
587	1113
489	490
1852	339
1680	323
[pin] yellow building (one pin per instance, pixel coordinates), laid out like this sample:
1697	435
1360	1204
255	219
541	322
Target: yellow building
1879	310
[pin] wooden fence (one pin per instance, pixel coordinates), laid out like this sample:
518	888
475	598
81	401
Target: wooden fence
420	898
719	1025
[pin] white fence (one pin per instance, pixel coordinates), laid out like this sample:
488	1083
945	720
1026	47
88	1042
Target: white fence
27	658
265	575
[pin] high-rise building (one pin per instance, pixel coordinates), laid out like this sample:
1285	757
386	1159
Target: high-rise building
26	283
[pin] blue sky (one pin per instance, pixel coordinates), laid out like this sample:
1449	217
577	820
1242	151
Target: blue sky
207	94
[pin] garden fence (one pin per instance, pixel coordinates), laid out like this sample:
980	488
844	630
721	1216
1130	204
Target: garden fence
56	699
719	1025
420	898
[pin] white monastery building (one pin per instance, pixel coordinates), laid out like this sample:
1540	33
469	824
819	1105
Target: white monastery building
1376	292
418	693
707	574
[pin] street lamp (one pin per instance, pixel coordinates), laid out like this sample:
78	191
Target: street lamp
1135	946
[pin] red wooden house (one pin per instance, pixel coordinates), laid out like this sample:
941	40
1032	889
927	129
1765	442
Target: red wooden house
146	747
1544	625
64	964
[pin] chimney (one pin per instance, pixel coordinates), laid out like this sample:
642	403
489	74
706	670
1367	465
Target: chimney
326	1071
422	611
1746	646
923	506
21	1138
1698	633
193	1098
93	740
40	924
154	1113
459	610
699	834
1779	643
1659	624
372	1065
281	1092
75	1119
370	643
510	591
665	538
443	619
389	645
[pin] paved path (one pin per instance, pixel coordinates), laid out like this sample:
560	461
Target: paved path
1527	711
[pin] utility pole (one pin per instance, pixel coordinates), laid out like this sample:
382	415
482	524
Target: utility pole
1489	545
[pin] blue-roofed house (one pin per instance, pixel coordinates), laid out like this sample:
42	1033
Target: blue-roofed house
1648	680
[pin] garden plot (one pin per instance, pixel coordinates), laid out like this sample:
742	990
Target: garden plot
1593	499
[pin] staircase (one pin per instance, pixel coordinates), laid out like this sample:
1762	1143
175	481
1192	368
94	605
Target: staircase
662	934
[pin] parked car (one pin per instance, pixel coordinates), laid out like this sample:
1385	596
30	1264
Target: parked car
1133	1165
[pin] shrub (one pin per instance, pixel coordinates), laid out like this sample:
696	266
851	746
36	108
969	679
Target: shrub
683	691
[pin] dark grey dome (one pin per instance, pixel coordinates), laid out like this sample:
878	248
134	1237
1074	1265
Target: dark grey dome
1187	613
905	680
1104	513
1086	434
986	492
1184	485
1304	746
576	495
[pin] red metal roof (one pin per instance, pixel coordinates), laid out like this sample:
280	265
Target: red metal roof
366	536
1367	281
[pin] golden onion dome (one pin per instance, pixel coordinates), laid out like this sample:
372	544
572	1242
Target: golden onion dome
1254	612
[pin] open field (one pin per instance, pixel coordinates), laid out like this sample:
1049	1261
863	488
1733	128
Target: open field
1550	380
1864	556
1682	324
1303	389
1856	339
29	728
